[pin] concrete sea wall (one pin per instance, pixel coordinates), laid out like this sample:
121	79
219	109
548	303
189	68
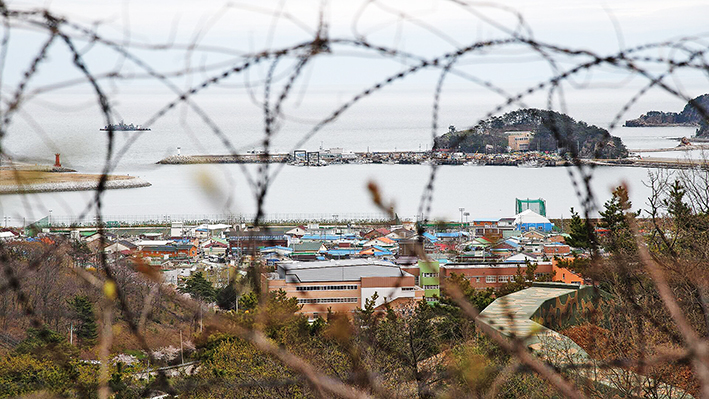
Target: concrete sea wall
133	182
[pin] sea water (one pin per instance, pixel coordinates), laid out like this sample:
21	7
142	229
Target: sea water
334	191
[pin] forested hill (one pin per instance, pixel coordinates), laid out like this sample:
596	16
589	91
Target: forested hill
690	116
552	131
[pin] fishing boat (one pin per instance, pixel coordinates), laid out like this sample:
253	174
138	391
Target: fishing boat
532	163
122	127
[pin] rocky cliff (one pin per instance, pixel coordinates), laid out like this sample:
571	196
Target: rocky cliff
692	115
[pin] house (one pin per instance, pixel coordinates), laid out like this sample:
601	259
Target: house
215	246
400	234
380	242
311	247
121	246
564	275
426	274
342	285
529	220
169	251
555	249
374	233
343	253
250	241
210	230
308	250
519	141
7	235
375	251
298	231
532	235
495	274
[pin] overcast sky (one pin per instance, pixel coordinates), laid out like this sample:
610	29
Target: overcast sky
222	32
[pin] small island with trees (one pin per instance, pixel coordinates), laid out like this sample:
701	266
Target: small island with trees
694	114
552	131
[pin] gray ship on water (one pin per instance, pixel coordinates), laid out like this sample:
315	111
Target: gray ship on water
122	127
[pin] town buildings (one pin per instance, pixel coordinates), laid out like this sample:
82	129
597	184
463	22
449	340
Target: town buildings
519	141
338	268
343	285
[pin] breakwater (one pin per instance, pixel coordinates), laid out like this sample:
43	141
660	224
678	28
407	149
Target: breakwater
522	159
84	185
658	163
316	158
238	158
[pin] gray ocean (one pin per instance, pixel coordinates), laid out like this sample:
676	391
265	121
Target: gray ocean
68	123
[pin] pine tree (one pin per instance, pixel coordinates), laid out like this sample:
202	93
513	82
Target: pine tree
613	218
681	213
226	297
581	232
199	288
86	330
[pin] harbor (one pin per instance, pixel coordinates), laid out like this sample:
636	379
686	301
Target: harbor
338	156
532	159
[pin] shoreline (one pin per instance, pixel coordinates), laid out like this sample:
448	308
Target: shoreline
132	182
533	160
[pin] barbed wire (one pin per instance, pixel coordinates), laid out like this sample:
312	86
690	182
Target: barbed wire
303	54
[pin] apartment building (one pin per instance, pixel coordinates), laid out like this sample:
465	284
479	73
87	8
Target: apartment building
343	285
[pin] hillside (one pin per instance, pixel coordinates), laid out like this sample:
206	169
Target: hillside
690	116
552	131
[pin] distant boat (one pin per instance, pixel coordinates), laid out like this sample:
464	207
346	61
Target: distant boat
122	127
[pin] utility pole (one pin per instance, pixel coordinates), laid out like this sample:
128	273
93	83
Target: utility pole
460	231
182	353
71	334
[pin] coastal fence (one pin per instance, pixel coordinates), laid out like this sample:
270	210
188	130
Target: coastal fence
167	219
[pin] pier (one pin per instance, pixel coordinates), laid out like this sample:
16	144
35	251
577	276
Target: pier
323	158
689	147
211	159
526	159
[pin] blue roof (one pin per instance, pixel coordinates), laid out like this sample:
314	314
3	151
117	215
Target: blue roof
381	251
454	234
430	237
512	243
342	252
326	237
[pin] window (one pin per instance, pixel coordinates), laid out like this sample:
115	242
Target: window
408	288
429	275
326	287
430	287
490	279
503	279
302	301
